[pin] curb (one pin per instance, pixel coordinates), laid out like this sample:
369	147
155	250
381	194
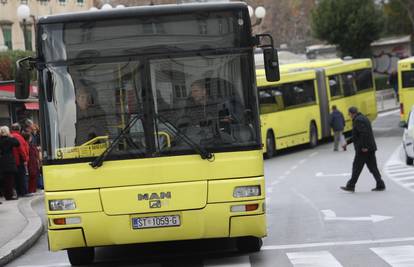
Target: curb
388	109
32	231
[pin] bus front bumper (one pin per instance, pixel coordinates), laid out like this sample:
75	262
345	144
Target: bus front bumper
213	221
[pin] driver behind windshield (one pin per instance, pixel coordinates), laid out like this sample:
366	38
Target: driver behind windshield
90	118
211	111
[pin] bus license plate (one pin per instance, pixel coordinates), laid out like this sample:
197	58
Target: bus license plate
158	221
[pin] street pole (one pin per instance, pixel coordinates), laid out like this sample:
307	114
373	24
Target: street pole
25	34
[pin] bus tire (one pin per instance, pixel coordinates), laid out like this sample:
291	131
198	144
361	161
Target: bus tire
408	160
247	244
313	135
270	145
81	256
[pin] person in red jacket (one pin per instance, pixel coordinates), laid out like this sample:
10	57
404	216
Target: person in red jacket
21	155
33	164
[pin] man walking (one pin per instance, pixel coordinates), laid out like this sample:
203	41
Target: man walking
337	123
365	147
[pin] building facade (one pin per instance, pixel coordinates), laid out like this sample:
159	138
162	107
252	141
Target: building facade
12	29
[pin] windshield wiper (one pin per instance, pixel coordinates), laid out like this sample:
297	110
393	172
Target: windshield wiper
99	160
204	154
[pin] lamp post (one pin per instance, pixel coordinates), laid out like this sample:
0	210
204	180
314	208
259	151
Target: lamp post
23	13
259	13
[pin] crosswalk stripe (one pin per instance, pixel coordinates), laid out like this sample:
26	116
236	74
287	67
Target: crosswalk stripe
397	256
404	178
401	172
313	259
243	261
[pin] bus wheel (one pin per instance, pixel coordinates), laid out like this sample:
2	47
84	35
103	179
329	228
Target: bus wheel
248	244
408	160
81	256
270	145
313	135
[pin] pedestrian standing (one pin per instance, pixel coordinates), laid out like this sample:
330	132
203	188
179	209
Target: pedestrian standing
8	166
32	164
337	123
393	81
21	155
365	147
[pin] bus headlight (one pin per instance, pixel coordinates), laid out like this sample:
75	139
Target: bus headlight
62	204
246	191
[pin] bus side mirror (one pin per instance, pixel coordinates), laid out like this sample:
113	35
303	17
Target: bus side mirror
271	64
22	80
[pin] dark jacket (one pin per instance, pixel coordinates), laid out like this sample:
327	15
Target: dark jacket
362	135
337	121
7	160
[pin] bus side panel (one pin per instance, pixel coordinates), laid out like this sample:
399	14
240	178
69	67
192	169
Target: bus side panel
291	127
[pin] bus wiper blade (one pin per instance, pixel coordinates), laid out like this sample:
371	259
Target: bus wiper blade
204	154
96	163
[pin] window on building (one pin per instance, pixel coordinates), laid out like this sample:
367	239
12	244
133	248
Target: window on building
7	36
62	2
80	2
23	2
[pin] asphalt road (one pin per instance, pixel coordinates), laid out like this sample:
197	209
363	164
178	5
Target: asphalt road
311	222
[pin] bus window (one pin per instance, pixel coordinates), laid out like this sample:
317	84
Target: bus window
270	100
298	93
363	79
348	83
334	86
407	79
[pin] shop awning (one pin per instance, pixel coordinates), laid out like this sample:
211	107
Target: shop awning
32	106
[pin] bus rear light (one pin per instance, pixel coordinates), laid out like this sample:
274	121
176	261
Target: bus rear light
241	208
401	108
65	221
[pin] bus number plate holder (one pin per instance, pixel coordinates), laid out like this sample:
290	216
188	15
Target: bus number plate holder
156	221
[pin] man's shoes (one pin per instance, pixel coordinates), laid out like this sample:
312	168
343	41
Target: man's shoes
348	189
378	189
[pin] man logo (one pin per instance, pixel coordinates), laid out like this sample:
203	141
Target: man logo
155	204
151	196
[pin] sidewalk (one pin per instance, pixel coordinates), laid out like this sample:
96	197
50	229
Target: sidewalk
20	227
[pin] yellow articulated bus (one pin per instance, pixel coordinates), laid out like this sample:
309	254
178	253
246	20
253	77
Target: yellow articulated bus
145	111
406	86
295	110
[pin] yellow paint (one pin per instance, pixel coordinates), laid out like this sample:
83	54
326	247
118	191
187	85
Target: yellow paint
291	126
63	239
201	193
406	94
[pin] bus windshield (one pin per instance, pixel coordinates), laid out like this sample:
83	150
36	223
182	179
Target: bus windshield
203	97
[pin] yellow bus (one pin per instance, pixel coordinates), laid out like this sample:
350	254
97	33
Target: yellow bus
145	112
295	110
406	86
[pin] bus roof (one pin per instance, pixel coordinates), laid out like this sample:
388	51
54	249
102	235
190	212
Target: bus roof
158	10
406	60
285	77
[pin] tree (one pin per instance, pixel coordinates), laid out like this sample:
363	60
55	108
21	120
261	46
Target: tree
8	63
352	25
399	17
